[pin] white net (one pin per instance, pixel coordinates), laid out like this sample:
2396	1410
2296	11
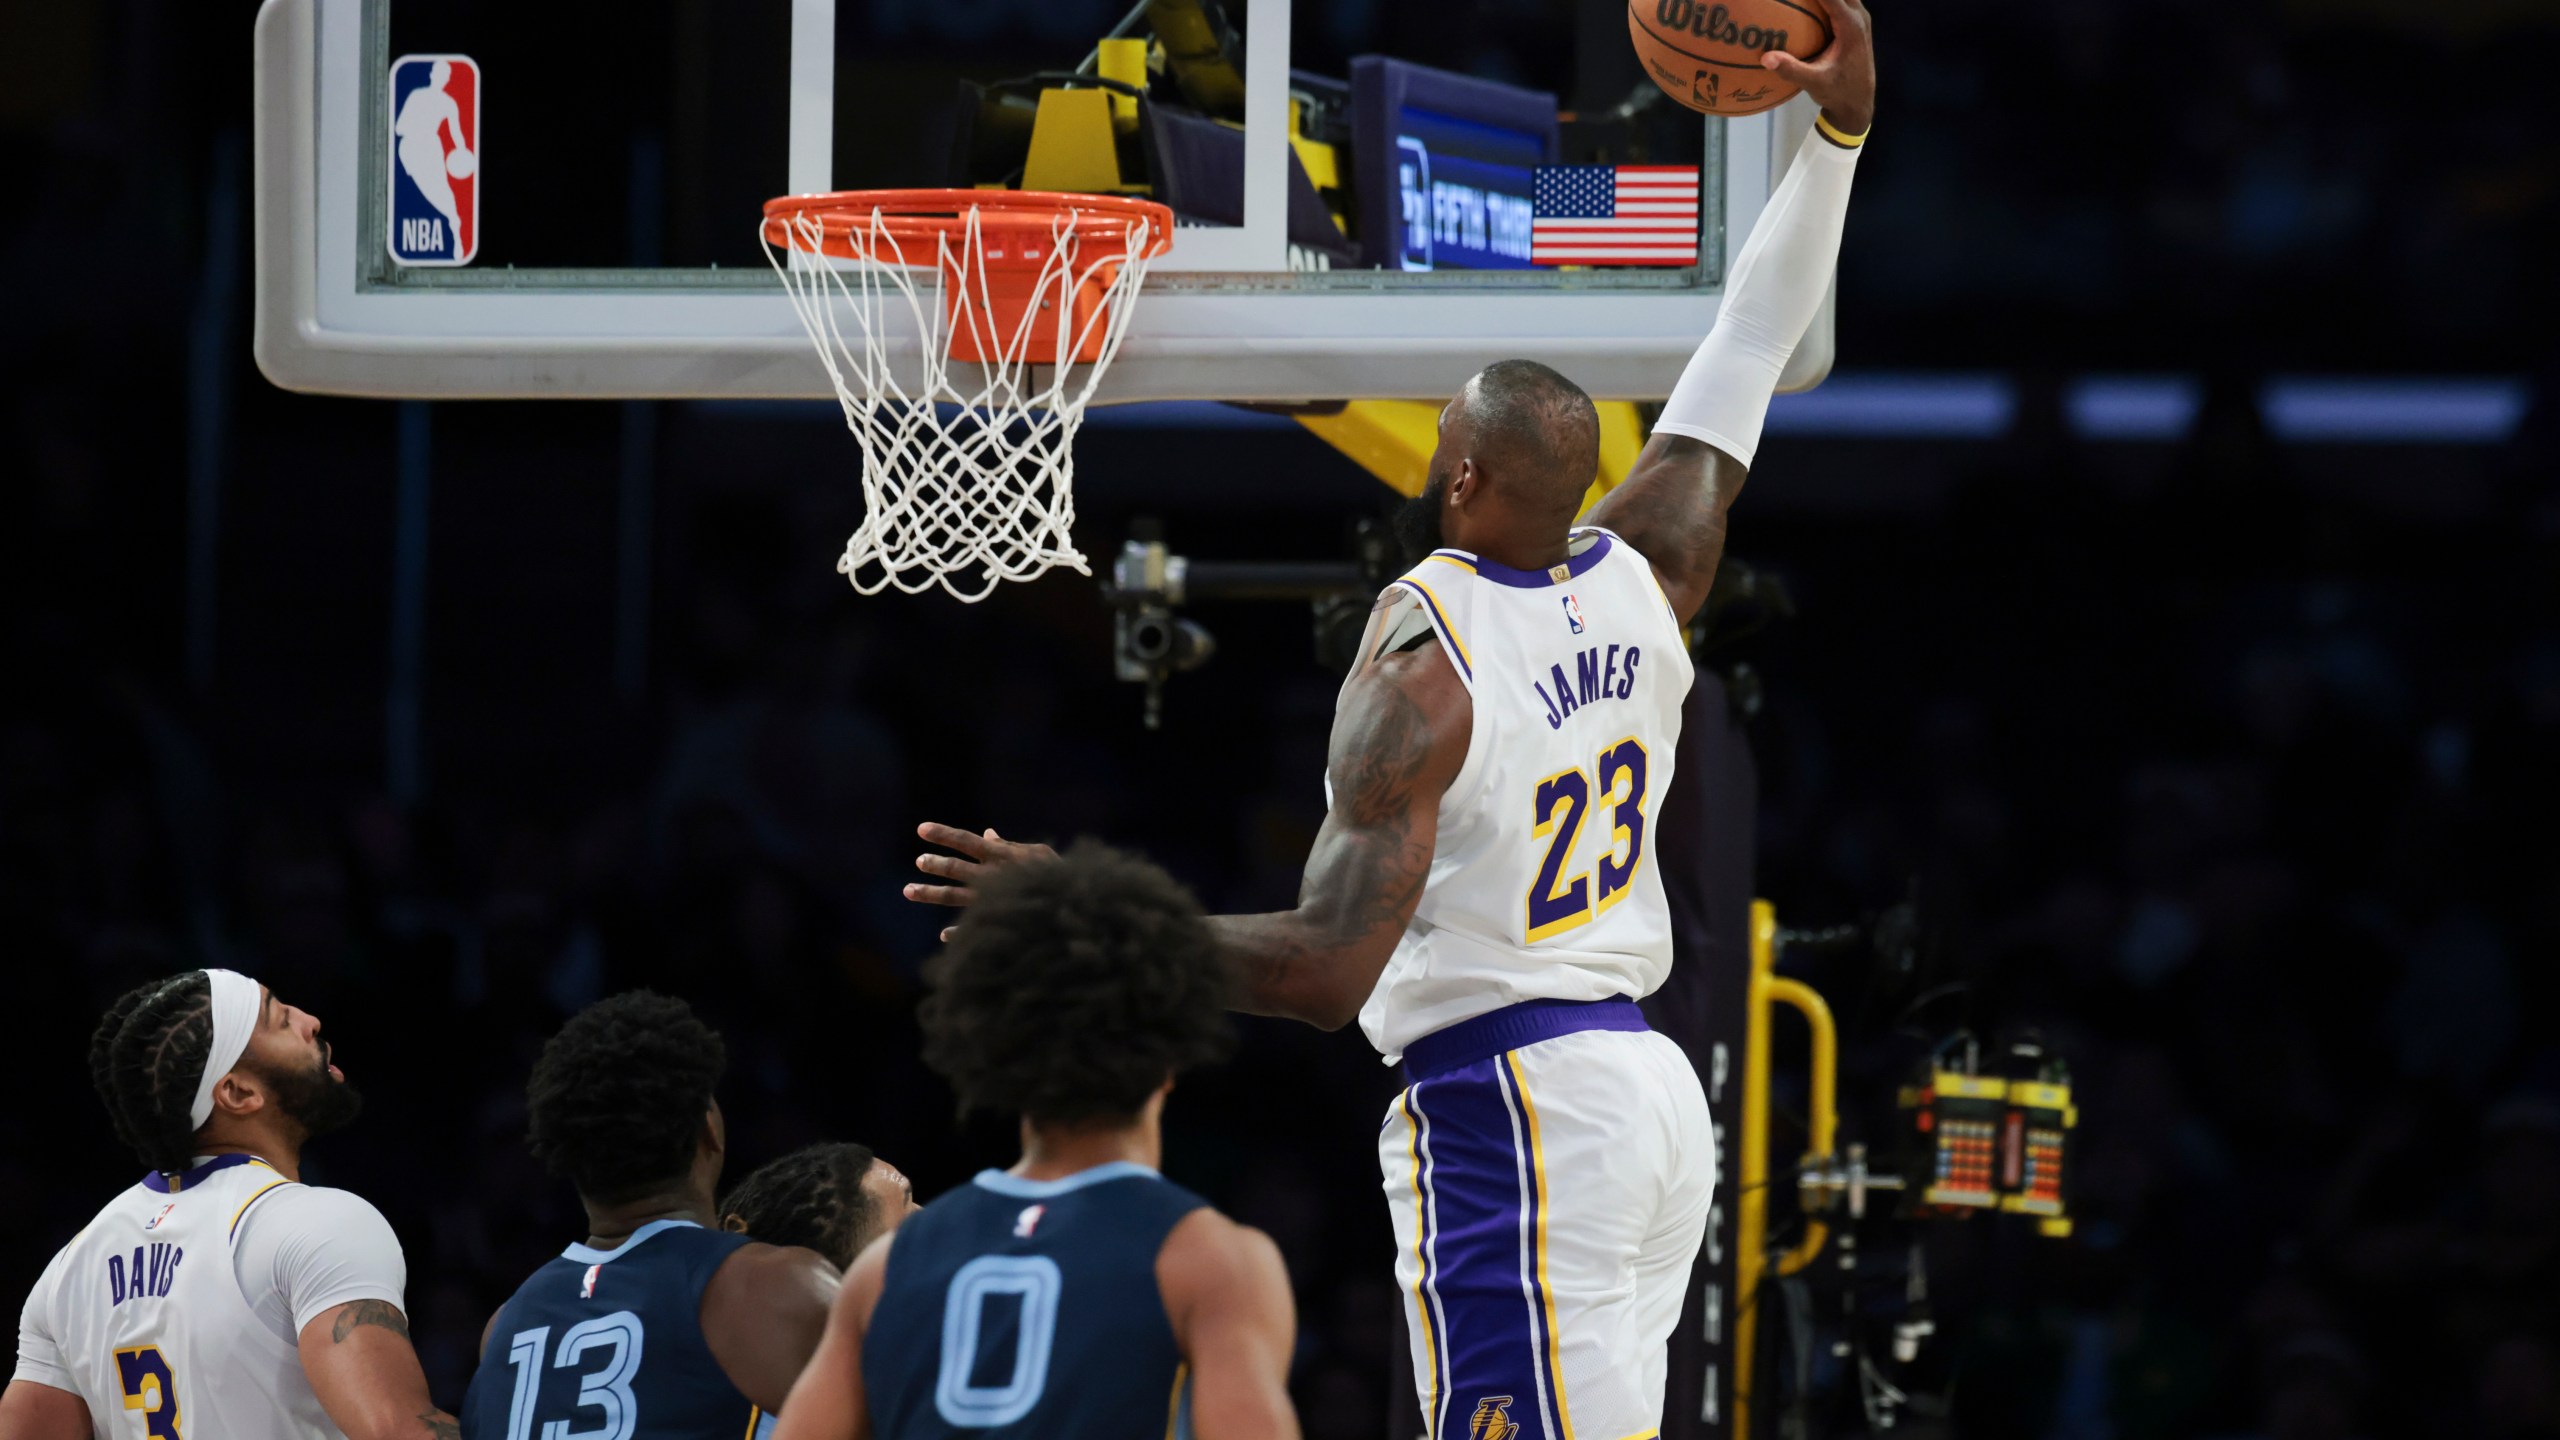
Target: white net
968	465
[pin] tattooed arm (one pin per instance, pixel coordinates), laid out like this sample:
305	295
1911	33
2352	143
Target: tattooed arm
359	1361
1398	740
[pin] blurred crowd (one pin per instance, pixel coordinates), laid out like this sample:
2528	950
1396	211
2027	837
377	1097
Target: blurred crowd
2231	774
2226	766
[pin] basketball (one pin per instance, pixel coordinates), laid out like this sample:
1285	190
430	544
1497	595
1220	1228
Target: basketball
1706	53
460	164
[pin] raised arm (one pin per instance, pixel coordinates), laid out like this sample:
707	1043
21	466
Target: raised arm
1672	504
1227	1294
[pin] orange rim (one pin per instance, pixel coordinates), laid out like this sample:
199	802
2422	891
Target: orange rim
845	220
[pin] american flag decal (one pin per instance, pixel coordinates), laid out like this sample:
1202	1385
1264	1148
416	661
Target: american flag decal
1614	215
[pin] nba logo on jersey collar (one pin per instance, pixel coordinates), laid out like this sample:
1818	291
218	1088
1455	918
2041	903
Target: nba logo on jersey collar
434	164
587	1287
1573	614
1028	1221
154	1222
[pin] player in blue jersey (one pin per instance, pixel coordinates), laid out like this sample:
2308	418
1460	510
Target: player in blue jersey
1078	1295
834	1198
659	1325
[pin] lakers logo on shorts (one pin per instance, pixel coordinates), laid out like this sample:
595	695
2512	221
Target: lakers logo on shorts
1493	1419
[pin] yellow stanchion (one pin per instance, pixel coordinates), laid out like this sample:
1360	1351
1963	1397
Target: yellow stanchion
1751	1205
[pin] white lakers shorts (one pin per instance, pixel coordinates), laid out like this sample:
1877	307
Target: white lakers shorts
1549	1199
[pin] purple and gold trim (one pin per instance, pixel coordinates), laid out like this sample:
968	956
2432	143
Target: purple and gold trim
1448	633
1512	1027
1501	574
189	1179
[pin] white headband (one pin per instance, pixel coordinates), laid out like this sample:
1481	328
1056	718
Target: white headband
237	1006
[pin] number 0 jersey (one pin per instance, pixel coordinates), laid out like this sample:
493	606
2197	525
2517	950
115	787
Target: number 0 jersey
1029	1308
1543	884
176	1312
609	1343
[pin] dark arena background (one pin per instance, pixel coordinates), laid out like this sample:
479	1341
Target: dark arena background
2157	651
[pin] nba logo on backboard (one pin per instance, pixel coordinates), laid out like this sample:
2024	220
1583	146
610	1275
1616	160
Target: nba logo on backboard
1573	614
435	159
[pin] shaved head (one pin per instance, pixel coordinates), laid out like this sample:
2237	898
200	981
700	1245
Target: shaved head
1539	430
1518	449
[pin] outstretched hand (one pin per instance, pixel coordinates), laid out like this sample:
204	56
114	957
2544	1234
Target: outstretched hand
980	855
1842	79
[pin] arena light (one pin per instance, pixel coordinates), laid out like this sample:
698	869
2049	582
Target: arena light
1893	406
2133	407
2396	411
2120	409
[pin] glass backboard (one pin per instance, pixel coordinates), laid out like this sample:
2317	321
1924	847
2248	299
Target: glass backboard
1354	183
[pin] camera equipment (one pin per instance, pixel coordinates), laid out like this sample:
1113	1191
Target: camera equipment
1976	1131
1152	643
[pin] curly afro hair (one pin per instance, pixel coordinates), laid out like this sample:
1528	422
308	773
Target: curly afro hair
1074	988
813	1197
618	1096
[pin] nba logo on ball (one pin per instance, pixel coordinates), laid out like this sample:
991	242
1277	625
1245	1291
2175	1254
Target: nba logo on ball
1573	614
435	159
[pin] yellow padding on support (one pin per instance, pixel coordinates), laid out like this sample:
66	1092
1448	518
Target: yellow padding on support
1392	439
1621	440
1072	147
1323	167
1126	62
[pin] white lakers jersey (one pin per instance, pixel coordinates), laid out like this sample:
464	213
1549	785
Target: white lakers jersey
1543	884
144	1314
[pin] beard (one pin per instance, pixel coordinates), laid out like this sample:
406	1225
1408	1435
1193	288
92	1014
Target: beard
313	1099
1417	522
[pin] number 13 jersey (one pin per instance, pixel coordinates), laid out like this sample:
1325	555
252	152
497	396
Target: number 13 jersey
1543	884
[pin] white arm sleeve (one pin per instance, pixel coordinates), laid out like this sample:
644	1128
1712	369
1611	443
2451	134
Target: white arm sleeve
39	1355
303	1250
1771	295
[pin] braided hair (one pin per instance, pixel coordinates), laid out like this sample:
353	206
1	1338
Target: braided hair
813	1197
146	1058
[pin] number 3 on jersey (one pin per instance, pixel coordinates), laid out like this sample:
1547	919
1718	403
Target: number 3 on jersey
149	1388
1557	903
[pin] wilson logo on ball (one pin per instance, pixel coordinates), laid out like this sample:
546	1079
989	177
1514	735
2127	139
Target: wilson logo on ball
1714	22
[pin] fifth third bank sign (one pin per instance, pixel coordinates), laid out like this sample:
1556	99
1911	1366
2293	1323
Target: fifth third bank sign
435	159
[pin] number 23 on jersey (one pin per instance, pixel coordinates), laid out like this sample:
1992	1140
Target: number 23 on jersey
1558	902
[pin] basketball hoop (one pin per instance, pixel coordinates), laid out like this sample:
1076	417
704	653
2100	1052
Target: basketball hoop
968	470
